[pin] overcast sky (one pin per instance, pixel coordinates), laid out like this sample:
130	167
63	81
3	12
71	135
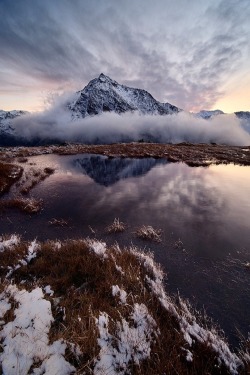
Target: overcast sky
192	53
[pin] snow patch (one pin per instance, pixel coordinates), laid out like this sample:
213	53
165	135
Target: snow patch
4	305
48	290
119	269
99	248
189	355
14	240
120	292
25	340
32	251
57	245
190	328
130	342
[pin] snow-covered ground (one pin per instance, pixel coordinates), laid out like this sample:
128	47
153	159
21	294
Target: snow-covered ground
29	345
25	339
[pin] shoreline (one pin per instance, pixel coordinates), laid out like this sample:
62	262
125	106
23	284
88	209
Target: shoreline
189	153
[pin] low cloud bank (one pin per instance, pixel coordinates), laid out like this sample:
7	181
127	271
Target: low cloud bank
57	124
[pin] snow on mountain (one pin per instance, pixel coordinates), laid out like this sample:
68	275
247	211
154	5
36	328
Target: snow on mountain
243	115
103	94
208	114
6	118
106	171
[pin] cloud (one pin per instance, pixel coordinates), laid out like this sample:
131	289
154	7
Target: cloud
56	124
182	52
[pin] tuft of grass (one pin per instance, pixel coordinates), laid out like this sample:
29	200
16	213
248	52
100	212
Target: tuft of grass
9	173
28	205
246	354
22	160
58	222
179	244
116	227
149	233
49	170
32	178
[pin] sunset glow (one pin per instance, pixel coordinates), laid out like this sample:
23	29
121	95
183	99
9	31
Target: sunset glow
196	58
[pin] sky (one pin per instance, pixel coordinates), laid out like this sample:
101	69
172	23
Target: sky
194	54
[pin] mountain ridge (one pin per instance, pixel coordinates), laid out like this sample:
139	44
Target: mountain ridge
104	94
100	95
6	118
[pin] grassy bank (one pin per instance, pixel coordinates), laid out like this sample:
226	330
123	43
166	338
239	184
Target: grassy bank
191	154
9	174
80	307
24	181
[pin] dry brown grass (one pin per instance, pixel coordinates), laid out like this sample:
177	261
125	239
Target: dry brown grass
149	233
82	282
116	227
58	222
245	353
28	205
49	170
9	258
32	178
9	173
193	154
22	160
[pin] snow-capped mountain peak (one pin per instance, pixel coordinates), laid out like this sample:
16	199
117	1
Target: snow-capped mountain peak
6	118
104	94
208	114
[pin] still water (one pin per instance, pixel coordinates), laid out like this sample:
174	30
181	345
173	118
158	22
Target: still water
208	209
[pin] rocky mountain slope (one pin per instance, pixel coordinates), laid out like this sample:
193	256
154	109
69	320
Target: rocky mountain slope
243	115
103	94
107	171
6	118
208	114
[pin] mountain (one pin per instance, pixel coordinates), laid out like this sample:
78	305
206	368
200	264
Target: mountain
208	114
243	115
6	118
7	133
105	171
103	94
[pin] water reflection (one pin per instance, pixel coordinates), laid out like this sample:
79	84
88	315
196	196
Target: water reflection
207	208
107	171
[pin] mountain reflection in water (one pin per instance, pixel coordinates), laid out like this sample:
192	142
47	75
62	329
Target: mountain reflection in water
107	171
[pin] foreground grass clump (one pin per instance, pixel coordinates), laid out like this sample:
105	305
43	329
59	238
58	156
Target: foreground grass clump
28	205
33	177
24	182
116	227
100	311
9	173
149	233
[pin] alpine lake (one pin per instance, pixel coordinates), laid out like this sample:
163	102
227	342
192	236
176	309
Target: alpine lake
203	212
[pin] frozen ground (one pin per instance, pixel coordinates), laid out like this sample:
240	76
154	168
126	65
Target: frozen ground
128	326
